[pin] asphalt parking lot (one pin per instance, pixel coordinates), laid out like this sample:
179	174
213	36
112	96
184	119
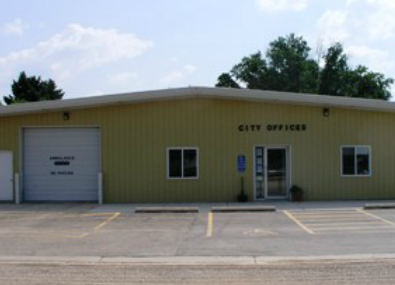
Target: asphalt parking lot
115	230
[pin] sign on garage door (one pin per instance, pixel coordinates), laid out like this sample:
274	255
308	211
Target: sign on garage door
61	164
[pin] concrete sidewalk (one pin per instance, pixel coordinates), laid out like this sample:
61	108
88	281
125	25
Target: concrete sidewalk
280	205
193	260
203	207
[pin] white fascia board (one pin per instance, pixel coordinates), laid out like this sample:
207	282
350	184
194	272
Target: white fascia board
300	99
199	92
91	102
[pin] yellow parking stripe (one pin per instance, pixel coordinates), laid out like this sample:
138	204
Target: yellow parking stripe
353	220
97	214
289	215
350	228
346	223
113	217
320	213
210	224
63	234
101	225
359	231
376	217
323	210
323	214
332	217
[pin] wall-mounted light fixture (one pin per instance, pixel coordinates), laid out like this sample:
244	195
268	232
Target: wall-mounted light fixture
66	116
326	112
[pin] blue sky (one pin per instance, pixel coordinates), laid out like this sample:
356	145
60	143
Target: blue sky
95	47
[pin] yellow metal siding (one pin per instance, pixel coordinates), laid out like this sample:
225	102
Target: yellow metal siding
135	138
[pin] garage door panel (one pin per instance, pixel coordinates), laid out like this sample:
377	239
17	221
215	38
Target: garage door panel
51	197
35	167
61	164
63	182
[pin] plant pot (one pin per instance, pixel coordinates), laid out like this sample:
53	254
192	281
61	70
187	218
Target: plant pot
297	197
297	193
242	198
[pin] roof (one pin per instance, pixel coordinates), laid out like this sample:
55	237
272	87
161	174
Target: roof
199	92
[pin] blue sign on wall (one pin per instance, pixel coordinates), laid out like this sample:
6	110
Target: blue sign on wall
241	163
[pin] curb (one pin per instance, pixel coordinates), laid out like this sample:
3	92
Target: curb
379	206
243	209
194	260
167	210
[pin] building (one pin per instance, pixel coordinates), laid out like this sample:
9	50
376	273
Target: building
194	145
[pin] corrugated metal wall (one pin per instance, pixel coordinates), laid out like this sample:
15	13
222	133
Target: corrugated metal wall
135	138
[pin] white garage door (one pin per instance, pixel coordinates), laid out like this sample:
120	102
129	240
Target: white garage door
61	164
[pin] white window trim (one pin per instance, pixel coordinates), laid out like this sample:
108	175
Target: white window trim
355	161
182	163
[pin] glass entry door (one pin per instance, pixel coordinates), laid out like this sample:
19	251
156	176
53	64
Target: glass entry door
271	172
276	172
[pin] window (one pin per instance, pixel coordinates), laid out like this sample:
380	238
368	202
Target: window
356	161
182	163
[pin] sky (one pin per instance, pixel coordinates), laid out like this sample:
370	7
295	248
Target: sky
95	47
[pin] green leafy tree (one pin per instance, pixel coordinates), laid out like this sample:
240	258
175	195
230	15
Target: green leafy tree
33	89
251	71
361	82
226	80
335	72
288	66
339	79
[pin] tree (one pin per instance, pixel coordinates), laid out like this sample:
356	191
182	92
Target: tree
251	70
33	89
339	79
335	71
366	84
226	80
288	66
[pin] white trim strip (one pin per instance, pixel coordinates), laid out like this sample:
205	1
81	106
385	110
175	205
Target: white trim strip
17	189
200	92
355	175
182	163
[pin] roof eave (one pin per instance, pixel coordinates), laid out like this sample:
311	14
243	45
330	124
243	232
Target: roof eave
199	92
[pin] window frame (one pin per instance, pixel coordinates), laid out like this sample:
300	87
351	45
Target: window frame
182	163
355	175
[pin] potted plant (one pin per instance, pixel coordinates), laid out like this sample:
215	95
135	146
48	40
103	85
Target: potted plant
297	193
243	197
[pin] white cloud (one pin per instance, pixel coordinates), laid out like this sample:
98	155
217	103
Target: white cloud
385	4
331	26
16	27
362	20
375	59
366	28
281	5
177	76
123	77
76	49
381	23
190	68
